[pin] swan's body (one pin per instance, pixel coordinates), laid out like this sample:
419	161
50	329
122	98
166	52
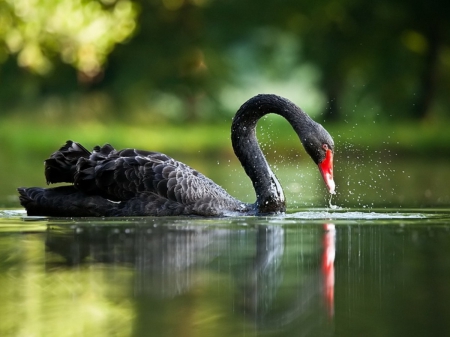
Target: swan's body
131	182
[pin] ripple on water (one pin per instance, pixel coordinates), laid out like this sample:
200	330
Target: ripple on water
7	213
353	215
331	213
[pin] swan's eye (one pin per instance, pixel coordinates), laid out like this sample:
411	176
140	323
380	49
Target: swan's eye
325	147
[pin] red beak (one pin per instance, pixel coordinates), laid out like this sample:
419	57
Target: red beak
326	169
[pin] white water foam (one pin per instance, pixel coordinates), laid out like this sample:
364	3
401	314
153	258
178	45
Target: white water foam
355	215
302	215
12	213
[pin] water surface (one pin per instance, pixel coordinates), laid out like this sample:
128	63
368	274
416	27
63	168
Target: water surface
313	272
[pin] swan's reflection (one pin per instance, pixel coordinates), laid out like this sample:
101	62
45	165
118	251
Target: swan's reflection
278	278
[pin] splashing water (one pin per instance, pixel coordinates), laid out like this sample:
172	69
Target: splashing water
331	205
353	215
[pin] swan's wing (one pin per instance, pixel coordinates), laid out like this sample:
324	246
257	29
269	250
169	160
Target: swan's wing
128	173
61	166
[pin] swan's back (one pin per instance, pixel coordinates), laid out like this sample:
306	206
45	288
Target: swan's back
128	182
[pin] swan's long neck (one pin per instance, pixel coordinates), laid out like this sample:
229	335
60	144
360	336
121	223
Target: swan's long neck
269	194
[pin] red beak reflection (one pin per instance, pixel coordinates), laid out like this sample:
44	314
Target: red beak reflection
329	252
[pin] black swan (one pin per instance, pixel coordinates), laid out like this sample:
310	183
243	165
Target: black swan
132	182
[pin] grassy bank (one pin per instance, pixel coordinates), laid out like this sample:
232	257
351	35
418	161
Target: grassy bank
36	139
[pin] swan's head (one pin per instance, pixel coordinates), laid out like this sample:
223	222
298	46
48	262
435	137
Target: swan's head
320	146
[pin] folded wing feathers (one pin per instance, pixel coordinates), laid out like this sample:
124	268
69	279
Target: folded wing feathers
122	175
61	166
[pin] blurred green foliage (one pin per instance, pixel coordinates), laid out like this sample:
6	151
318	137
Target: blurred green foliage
146	61
82	33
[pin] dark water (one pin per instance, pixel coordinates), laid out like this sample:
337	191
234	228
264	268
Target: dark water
315	272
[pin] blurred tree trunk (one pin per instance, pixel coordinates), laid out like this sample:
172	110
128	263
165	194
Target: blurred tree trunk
191	106
428	78
332	89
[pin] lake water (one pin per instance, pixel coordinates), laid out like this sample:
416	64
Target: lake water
313	272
